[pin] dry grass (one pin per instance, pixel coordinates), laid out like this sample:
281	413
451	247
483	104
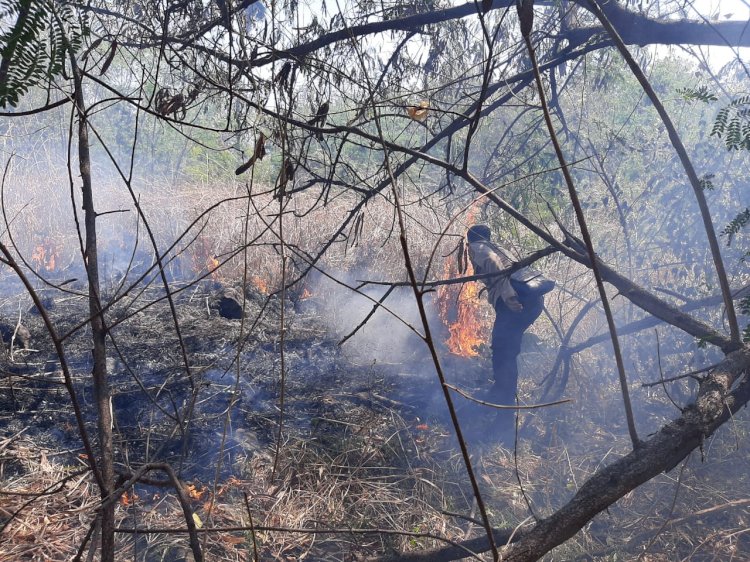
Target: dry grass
369	465
365	466
51	526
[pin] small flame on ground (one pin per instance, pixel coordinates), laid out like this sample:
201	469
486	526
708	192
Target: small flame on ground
204	260
259	284
128	498
212	264
45	256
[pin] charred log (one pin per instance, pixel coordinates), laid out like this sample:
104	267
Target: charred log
230	305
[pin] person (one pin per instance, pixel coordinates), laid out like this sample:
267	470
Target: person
513	316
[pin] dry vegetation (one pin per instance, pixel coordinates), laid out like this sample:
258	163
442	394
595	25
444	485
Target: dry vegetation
366	445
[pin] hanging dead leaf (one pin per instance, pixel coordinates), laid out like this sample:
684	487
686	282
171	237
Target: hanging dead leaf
197	521
418	112
93	46
285	176
258	154
165	103
283	76
461	257
110	58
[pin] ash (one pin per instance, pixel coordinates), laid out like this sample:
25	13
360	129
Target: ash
227	407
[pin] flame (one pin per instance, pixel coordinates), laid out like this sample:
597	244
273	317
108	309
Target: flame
306	294
212	264
259	284
45	256
194	493
128	499
205	260
463	310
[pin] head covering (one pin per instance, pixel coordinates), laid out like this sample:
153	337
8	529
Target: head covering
479	232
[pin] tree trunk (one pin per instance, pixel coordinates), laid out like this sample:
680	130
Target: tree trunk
98	330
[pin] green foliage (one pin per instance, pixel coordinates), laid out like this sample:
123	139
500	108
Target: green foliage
706	183
732	123
698	94
745	309
736	224
33	47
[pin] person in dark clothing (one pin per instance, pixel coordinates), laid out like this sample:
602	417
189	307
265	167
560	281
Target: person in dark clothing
514	314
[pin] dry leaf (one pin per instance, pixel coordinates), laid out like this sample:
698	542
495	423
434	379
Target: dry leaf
258	154
418	112
461	257
197	521
232	540
110	58
93	46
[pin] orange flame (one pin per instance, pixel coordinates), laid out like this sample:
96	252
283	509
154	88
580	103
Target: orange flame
194	493
259	284
45	255
463	310
128	499
212	263
204	260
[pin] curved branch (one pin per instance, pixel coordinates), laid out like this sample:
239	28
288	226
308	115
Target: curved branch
635	29
661	453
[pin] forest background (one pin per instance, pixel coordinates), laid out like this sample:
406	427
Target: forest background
319	160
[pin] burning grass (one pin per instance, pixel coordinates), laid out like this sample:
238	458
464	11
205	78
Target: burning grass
365	445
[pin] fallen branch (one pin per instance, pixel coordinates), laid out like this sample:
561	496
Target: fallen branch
661	453
505	406
520	264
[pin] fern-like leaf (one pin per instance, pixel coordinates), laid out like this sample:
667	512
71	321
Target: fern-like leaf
698	94
736	224
732	124
32	49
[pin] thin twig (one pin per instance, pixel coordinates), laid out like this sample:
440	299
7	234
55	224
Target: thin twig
252	528
526	16
515	466
671	510
679	147
691	374
661	374
505	406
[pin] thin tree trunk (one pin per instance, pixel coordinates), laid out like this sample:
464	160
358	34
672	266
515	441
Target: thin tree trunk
98	329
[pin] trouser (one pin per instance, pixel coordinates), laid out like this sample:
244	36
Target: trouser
506	347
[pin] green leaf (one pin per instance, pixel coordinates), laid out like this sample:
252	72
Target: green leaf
698	94
735	225
706	183
732	123
32	48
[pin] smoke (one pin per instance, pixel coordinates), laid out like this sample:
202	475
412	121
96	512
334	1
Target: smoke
387	338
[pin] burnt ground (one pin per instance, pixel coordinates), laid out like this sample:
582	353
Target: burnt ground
366	443
377	421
